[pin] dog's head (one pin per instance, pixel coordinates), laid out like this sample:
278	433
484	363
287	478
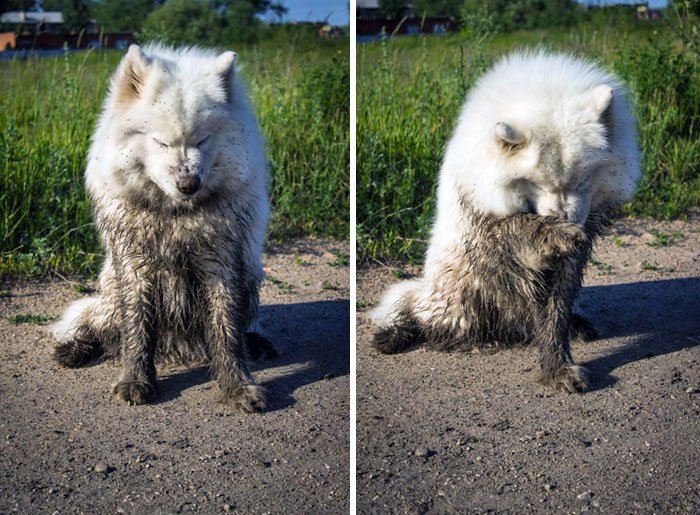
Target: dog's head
174	120
554	156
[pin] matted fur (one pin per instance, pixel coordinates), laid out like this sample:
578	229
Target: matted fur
177	178
543	154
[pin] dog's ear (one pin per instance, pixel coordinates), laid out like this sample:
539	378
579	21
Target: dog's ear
602	98
508	136
134	71
224	66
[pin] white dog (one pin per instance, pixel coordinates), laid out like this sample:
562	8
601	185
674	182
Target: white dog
177	177
540	134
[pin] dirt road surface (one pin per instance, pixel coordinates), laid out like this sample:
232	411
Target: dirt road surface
69	446
473	433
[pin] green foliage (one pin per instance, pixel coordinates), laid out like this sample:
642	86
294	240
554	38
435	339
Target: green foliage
48	110
308	133
76	13
182	21
509	15
123	15
407	99
221	22
437	7
664	76
341	259
409	92
392	8
664	239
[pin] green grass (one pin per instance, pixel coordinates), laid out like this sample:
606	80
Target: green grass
284	286
48	108
342	259
26	318
663	239
410	89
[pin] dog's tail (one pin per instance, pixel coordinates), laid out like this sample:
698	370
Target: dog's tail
397	327
65	329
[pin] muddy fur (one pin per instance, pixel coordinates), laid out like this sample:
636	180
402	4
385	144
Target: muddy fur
183	240
512	281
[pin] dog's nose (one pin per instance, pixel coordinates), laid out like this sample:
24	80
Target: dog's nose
188	184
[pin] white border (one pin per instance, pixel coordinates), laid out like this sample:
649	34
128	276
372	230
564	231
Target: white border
353	263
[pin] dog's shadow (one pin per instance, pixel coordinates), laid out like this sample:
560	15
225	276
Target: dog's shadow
659	317
313	339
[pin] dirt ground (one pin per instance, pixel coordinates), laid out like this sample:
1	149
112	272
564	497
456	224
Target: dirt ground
69	446
473	433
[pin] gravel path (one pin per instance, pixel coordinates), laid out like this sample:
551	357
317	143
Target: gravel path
68	446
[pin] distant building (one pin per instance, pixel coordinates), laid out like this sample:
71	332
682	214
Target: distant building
107	40
7	40
367	10
370	10
47	21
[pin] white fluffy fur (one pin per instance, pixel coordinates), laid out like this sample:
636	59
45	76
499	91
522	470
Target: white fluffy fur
64	329
544	133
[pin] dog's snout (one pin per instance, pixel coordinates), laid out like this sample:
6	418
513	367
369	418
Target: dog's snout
188	184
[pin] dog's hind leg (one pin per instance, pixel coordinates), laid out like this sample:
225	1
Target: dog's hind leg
398	329
80	330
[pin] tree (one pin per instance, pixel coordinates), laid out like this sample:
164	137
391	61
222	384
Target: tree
392	8
123	15
15	5
509	15
76	13
218	22
181	21
437	7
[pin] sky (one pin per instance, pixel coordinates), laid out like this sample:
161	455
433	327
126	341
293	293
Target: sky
317	10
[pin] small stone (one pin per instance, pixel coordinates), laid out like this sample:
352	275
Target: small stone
583	442
227	507
585	496
595	503
549	488
102	468
422	452
691	390
540	434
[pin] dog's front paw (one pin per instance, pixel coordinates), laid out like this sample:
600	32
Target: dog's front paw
134	391
248	398
569	378
565	238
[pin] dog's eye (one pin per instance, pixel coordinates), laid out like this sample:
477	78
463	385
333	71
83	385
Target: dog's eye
203	141
162	145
